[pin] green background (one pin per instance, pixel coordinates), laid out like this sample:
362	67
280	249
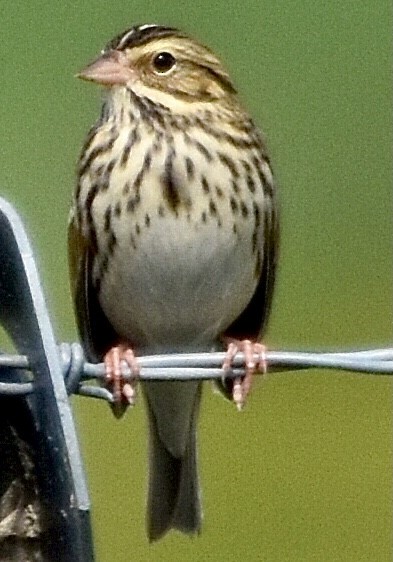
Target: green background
305	473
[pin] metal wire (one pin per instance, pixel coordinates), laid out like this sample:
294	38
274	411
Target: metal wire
183	367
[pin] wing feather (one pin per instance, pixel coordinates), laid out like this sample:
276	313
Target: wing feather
95	331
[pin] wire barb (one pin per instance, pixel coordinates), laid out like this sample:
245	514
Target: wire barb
188	366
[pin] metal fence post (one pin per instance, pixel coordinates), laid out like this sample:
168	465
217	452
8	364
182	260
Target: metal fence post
44	503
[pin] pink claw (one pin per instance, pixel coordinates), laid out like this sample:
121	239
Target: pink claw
124	390
241	388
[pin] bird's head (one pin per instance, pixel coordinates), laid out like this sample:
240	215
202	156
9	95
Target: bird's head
160	63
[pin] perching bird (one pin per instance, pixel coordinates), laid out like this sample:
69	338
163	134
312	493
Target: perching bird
173	239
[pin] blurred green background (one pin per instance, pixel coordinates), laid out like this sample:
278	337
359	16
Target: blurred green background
305	473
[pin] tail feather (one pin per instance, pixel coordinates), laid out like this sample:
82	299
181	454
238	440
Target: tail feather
173	495
187	516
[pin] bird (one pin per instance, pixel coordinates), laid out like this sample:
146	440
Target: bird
173	242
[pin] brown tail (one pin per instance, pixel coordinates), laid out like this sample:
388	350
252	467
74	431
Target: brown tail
174	494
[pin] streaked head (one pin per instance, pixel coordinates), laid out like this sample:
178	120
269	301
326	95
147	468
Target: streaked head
152	58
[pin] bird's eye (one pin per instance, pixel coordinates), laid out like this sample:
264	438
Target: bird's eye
163	62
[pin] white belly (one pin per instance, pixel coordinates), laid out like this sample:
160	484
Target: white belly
182	285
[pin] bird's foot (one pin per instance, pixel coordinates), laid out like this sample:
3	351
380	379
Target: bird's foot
123	389
241	387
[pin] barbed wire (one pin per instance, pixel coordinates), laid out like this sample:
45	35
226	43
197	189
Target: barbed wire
189	366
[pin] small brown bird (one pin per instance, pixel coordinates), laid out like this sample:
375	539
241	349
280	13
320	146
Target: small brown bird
172	240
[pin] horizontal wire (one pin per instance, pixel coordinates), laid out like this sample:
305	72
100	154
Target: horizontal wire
190	366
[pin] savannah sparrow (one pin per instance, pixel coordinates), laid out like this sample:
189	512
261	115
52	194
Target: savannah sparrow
173	239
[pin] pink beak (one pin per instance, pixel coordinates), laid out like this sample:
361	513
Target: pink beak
110	69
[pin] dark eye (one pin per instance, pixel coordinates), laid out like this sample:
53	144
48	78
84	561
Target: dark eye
163	62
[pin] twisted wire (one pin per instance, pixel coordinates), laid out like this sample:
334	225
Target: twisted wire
188	366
